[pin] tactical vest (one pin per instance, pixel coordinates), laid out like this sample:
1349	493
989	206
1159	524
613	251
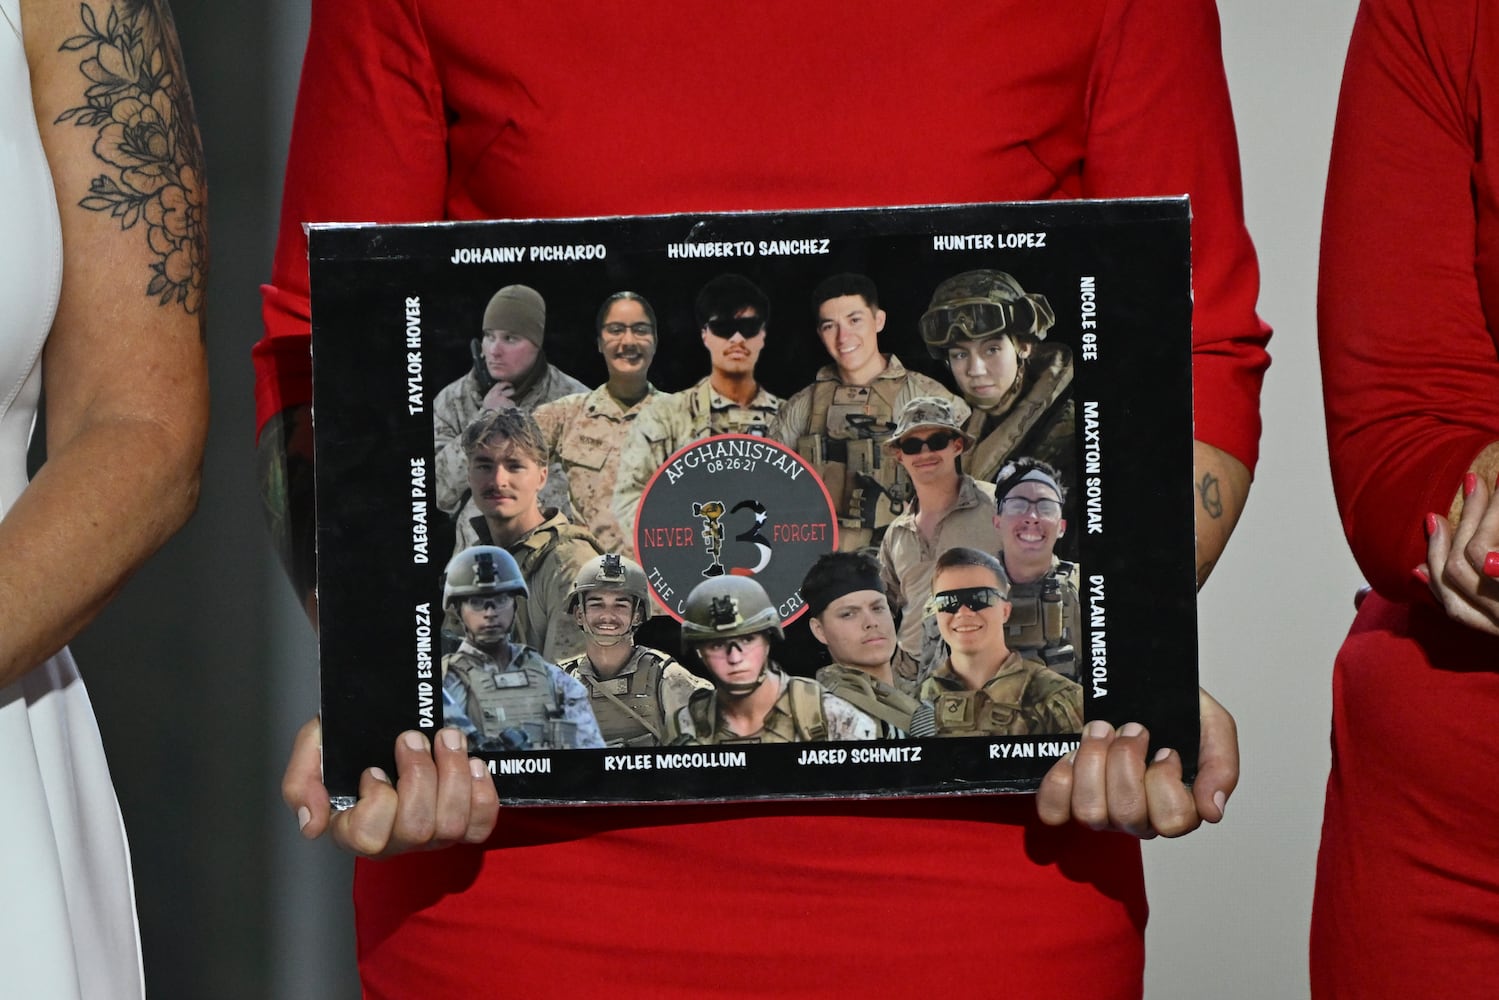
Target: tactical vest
1040	616
892	708
846	430
796	716
734	420
628	706
520	697
996	709
1047	378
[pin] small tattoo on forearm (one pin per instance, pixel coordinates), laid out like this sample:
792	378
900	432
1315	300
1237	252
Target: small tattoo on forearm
137	99
1212	496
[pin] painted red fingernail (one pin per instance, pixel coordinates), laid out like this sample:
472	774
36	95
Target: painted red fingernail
1491	564
1420	574
1470	483
1431	525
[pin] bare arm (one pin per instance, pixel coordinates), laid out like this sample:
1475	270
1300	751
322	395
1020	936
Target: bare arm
283	470
1221	485
123	369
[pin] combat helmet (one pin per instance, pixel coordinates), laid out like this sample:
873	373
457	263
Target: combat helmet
482	569
975	305
610	572
725	607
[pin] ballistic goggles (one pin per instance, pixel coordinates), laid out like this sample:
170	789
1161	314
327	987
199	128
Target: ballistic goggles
975	599
976	319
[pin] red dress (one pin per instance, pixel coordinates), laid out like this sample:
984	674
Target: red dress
1408	874
423	110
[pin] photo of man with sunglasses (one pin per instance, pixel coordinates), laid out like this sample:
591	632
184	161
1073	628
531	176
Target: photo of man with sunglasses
1046	617
991	334
983	688
840	421
732	313
950	508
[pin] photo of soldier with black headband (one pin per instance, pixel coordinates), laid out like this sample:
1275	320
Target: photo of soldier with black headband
1046	616
849	612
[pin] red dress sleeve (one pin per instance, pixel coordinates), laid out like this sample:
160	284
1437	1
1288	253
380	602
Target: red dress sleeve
369	143
1159	122
1410	376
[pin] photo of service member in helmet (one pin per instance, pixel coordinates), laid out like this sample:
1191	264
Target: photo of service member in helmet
509	370
637	692
728	625
503	694
585	432
506	471
950	508
839	422
991	333
983	688
849	613
733	314
1046	614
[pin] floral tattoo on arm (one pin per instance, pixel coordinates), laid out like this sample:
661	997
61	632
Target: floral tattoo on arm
137	100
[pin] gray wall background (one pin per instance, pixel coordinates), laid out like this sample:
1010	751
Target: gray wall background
203	668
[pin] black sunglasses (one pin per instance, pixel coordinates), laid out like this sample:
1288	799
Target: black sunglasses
975	599
936	442
745	326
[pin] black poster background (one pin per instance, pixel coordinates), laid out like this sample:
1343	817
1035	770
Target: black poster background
367	438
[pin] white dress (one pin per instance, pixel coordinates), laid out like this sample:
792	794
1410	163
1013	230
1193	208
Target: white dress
67	909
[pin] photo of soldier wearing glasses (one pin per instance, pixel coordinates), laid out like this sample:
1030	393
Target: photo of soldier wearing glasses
1046	618
732	313
585	432
983	688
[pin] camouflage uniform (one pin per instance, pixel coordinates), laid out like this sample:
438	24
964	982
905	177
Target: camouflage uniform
639	705
804	712
456	407
1027	630
673	421
483	699
907	560
549	556
1041	423
1022	699
584	433
890	706
840	430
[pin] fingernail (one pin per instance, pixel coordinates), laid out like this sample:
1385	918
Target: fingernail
1491	564
414	741
1431	525
379	775
1470	483
1162	754
1099	729
304	816
1131	729
452	739
477	768
1421	574
1220	799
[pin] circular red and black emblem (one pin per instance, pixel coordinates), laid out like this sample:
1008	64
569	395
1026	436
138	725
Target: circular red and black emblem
733	504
